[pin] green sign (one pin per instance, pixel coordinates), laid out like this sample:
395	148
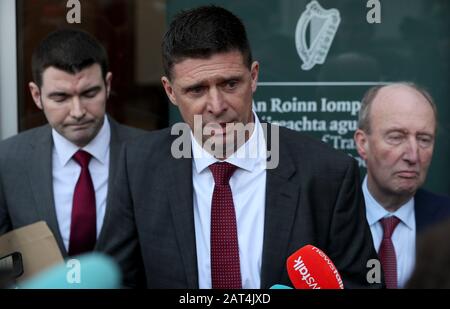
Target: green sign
317	59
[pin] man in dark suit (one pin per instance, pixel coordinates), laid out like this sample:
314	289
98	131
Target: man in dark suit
60	172
397	127
226	203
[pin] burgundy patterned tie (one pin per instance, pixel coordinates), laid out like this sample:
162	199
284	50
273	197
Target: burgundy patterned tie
225	267
83	226
387	252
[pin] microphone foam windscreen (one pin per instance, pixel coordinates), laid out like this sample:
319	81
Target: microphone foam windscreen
310	268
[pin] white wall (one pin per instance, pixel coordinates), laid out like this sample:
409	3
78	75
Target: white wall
8	69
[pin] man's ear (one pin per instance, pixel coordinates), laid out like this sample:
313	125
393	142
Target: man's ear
108	81
254	75
169	90
362	145
35	94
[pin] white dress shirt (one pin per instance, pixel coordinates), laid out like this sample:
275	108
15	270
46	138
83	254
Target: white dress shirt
403	238
248	185
66	173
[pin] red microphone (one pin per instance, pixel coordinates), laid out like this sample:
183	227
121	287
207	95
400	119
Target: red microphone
310	268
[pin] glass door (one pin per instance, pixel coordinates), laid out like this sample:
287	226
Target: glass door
131	32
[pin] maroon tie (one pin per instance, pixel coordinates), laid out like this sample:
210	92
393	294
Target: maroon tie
387	252
83	226
225	267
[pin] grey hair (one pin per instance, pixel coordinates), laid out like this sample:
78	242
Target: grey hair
370	95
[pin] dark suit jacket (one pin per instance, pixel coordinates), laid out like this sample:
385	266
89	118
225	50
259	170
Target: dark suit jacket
26	188
430	209
313	197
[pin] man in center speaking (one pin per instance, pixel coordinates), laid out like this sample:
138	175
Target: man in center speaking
229	211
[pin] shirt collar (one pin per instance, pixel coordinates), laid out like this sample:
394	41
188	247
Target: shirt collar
97	148
375	212
247	157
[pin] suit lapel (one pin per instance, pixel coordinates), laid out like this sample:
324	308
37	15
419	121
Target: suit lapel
41	181
181	204
114	153
281	203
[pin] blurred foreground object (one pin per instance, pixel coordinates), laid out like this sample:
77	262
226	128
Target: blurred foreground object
36	245
433	259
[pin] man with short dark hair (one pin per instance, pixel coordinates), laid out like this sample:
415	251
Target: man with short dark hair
212	208
397	128
60	173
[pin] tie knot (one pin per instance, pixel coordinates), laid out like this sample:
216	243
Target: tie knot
389	224
222	172
82	158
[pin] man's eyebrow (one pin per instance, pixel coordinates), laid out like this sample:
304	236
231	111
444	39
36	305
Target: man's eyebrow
228	78
396	129
193	86
405	131
425	133
57	94
219	80
62	93
93	88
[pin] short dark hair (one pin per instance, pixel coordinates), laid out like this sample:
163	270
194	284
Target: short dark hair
202	32
70	50
371	94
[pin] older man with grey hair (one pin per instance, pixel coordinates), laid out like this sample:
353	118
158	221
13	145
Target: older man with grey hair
395	137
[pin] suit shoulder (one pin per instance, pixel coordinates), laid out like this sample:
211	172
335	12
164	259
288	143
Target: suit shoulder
428	197
123	131
430	208
149	149
23	139
149	139
131	132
